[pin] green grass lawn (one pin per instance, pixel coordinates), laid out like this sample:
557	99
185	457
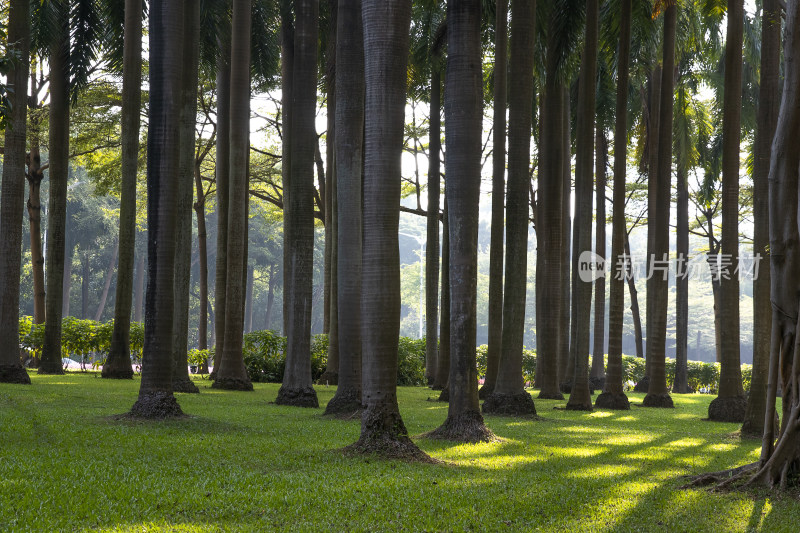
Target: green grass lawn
241	464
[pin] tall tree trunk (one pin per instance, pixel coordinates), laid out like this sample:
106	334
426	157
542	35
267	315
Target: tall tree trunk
463	114
432	245
731	404
509	395
270	297
35	176
613	396
767	118
329	196
181	382
549	219
222	171
565	374
580	398
248	306
657	293
287	90
13	194
202	247
598	374
85	287
118	363
349	88
138	301
498	198
156	399
634	295
232	374
443	361
297	388
107	283
57	201
67	284
386	36
680	384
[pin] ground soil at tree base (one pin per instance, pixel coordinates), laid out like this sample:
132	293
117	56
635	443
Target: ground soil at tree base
306	397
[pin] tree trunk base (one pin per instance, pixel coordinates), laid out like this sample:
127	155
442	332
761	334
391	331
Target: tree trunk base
306	397
345	403
444	396
643	385
185	385
579	401
52	368
729	409
232	384
658	400
550	395
754	430
328	378
597	384
615	402
466	427
565	387
384	434
485	391
117	371
438	386
520	404
14	374
156	406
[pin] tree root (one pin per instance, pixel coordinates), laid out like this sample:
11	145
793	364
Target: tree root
465	427
346	403
328	378
305	397
615	402
14	374
544	395
383	434
723	480
232	384
727	409
662	401
156	405
185	385
520	404
643	385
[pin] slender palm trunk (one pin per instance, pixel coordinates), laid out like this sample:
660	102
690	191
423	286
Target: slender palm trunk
35	176
386	36
613	396
634	295
248	306
222	171
13	195
432	245
443	361
287	90
232	374
580	398
768	101
549	256
498	198
118	363
85	286
657	392
349	89
67	285
181	382
509	395
270	296
202	247
564	370
597	374
297	387
156	399
57	202
463	114
731	404
138	301
680	384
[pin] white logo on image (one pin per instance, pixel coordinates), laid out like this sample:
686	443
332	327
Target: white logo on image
591	266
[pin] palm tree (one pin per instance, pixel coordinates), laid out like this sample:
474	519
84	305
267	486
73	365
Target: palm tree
768	101
443	359
657	393
57	201
463	115
613	396
386	37
118	364
232	373
509	396
183	230
597	374
349	156
297	388
13	194
731	404
156	399
222	171
498	198
580	398
287	70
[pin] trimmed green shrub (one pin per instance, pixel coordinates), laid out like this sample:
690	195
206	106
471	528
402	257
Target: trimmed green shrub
411	362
